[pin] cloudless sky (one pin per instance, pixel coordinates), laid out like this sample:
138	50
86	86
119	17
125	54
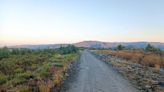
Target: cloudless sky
69	21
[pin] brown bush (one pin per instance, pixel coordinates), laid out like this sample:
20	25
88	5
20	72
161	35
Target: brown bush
138	56
105	51
124	54
45	87
58	78
151	60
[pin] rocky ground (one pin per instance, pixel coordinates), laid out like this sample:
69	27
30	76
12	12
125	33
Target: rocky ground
146	79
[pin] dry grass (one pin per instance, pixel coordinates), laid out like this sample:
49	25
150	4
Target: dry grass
46	87
151	60
58	78
157	67
138	56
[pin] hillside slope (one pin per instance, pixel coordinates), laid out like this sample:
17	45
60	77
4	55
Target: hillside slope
98	44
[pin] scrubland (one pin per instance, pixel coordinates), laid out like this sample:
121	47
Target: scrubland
34	70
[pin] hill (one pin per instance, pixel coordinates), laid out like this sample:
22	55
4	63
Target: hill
99	44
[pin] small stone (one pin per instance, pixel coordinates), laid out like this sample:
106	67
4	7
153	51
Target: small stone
147	86
155	82
66	74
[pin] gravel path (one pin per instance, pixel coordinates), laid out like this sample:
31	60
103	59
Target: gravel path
96	76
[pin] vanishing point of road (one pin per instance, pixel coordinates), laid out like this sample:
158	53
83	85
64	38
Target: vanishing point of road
96	76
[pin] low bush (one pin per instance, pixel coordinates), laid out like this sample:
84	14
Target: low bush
44	71
23	88
151	60
3	78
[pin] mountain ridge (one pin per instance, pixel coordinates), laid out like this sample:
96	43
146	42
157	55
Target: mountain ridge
95	44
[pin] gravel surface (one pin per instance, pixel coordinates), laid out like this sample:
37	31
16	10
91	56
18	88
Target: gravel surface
96	76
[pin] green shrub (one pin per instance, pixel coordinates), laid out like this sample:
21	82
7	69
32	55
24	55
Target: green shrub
25	75
58	64
18	70
151	48
7	67
23	89
17	81
21	77
44	71
120	47
67	50
3	78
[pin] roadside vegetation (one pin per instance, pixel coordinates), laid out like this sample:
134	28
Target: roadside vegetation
141	66
150	56
34	70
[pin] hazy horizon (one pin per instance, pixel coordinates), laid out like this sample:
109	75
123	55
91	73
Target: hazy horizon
3	45
52	21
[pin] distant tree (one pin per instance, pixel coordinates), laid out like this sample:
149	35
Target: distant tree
68	49
151	48
120	47
15	51
20	51
4	52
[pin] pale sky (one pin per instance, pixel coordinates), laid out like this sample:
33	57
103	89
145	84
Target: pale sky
69	21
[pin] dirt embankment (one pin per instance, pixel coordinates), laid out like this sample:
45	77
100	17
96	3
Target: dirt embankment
69	77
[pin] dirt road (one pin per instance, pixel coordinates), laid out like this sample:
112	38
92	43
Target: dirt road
96	76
